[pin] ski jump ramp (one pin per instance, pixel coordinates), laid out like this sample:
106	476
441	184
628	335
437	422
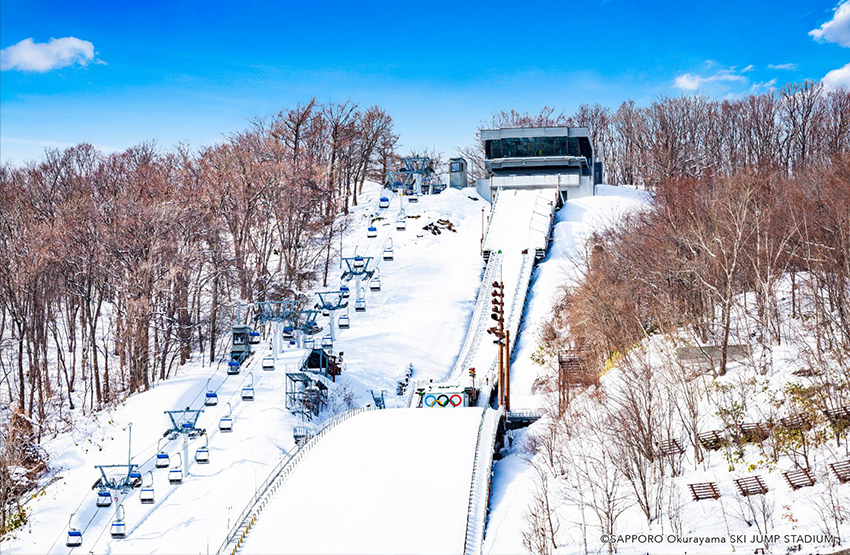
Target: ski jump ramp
387	481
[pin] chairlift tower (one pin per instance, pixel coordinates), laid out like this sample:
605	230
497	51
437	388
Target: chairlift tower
331	301
184	422
416	175
357	267
119	482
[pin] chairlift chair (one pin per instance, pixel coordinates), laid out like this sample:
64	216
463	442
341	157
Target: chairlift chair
135	479
309	343
146	495
202	455
359	262
388	251
248	391
360	305
162	460
211	397
288	332
175	475
232	368
104	499
401	223
327	342
254	337
75	537
344	291
371	232
344	321
118	530
413	197
375	282
226	423
384	202
326	312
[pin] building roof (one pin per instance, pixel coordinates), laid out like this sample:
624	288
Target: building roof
524	132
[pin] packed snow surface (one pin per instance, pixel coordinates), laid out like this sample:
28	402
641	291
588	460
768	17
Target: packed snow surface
392	481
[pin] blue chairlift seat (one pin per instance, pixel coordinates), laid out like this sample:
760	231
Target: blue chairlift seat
232	368
104	499
146	496
371	232
288	332
248	393
118	529
344	322
413	197
74	539
384	202
226	424
345	291
360	305
202	455
175	476
211	399
162	460
254	337
388	253
359	262
401	224
309	343
375	284
327	342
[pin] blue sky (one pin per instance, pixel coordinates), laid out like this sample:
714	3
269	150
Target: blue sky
193	71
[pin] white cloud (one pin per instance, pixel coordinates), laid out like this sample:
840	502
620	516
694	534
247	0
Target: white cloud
789	67
40	57
837	29
691	82
837	78
766	86
749	68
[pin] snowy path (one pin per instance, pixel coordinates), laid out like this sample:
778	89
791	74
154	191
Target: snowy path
391	481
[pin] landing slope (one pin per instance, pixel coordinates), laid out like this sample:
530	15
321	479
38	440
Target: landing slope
391	481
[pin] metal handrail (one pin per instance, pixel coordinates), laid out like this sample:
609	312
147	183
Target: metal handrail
479	489
273	482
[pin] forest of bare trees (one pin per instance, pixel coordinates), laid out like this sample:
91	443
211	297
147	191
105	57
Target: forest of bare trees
692	136
115	268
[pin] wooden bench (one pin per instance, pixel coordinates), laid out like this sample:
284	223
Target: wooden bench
839	416
670	447
754	431
799	479
711	440
751	485
841	470
704	490
795	422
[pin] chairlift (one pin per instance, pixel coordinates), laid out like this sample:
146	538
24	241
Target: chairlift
118	530
175	475
371	232
326	312
360	305
384	202
309	343
248	391
375	284
344	321
75	537
226	423
104	499
359	262
344	291
288	332
254	337
146	495
413	197
401	222
211	397
327	342
202	455
162	460
135	479
388	250
232	368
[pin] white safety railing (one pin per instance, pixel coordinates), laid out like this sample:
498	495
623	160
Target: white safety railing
520	294
478	321
479	489
236	537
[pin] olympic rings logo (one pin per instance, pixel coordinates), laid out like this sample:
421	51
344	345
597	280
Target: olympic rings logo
443	400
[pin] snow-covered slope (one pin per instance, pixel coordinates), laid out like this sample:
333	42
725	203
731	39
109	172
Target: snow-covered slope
392	481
